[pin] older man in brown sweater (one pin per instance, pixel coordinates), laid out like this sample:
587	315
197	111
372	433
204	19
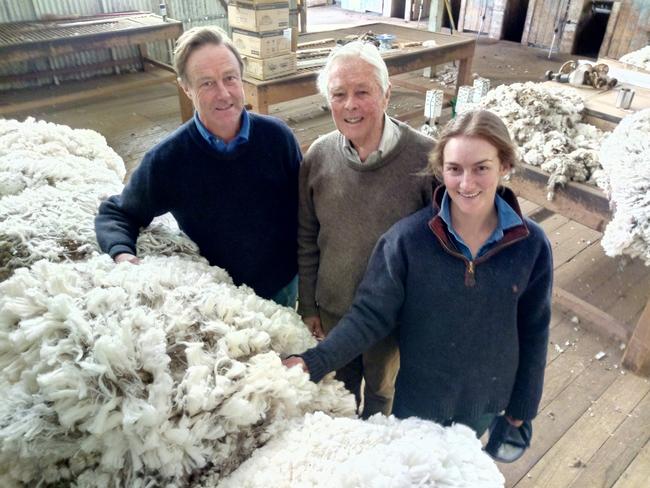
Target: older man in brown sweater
355	182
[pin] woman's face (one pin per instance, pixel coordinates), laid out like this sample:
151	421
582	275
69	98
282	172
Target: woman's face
471	173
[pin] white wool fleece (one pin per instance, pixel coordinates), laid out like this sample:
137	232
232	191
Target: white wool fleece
546	125
383	452
135	375
54	140
625	156
640	58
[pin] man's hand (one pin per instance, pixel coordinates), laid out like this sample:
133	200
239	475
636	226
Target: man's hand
315	326
292	361
125	256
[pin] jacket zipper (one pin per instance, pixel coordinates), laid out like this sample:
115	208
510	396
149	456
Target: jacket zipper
470	265
470	276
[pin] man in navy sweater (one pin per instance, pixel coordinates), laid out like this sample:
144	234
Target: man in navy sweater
229	177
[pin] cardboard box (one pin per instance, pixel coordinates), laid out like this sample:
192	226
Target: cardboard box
261	18
262	44
265	69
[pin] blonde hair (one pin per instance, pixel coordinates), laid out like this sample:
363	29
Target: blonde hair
197	37
479	123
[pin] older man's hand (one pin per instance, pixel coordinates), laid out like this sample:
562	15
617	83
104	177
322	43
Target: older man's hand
316	328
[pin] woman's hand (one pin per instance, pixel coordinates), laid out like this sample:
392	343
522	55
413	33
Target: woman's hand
292	361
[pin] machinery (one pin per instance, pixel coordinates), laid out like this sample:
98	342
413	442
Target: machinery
581	73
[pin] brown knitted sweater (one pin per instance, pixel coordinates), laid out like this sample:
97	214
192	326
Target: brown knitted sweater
345	207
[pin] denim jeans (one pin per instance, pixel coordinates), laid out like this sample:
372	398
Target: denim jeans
288	295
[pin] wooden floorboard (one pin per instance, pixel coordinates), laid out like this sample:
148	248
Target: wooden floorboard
638	473
611	460
561	465
573	383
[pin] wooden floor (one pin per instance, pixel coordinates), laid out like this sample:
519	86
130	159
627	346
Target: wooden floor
593	429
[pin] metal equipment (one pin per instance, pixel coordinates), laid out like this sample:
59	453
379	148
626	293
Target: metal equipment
579	73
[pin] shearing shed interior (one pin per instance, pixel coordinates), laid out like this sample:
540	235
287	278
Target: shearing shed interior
170	371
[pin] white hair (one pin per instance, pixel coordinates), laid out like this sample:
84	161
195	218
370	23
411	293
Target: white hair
365	51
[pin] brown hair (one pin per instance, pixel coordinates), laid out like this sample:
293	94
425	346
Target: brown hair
479	123
197	37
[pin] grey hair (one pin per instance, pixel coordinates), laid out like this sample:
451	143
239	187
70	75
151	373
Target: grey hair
197	37
364	51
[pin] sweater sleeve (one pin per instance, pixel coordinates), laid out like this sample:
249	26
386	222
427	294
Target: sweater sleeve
533	318
372	317
120	217
308	251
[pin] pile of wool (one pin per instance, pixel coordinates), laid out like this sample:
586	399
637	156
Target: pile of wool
640	58
625	156
23	169
57	224
59	141
383	452
124	375
546	124
52	180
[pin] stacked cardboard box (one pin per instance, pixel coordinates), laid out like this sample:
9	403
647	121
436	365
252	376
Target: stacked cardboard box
261	33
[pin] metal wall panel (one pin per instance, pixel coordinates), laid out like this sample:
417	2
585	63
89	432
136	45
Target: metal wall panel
191	12
16	11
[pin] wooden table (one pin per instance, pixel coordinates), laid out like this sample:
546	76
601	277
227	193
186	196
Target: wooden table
261	94
23	41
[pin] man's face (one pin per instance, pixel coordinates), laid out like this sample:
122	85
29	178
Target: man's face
214	84
357	102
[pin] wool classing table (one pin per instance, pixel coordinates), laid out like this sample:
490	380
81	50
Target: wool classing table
448	48
24	41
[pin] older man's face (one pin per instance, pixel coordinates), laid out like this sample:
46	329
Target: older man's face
215	87
357	102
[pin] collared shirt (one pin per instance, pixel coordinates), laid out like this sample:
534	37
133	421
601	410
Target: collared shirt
218	144
507	218
388	141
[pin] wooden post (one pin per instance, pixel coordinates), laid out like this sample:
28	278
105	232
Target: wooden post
408	5
461	16
637	353
436	13
464	73
187	108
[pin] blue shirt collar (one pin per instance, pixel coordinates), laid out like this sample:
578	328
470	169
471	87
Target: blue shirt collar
218	144
507	218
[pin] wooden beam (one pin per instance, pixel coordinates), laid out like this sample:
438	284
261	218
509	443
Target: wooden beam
82	95
637	353
185	104
577	201
592	317
33	75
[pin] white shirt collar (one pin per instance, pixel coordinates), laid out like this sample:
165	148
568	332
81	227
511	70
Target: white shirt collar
388	141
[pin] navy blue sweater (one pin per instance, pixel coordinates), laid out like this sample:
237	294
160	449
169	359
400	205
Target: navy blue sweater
241	208
472	334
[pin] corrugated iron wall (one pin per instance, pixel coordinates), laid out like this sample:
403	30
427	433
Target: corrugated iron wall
191	12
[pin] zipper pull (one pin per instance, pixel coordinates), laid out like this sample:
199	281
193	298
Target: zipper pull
470	277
